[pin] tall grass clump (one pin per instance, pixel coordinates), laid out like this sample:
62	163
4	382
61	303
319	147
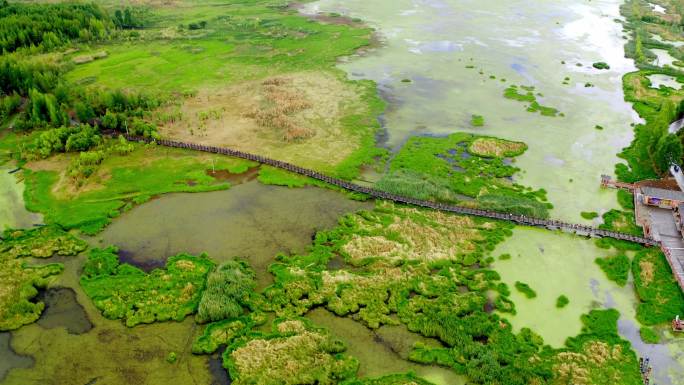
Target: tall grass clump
229	289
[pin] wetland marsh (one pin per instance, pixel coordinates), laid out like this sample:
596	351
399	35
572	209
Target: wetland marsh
160	265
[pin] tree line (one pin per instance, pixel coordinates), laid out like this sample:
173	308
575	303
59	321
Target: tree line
48	26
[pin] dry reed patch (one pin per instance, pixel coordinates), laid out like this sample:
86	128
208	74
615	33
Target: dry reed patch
493	147
646	272
300	358
597	360
295	117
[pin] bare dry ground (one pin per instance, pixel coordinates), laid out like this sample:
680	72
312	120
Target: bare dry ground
295	117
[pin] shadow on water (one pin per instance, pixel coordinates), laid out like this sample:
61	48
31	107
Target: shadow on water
382	351
219	375
9	359
250	220
63	310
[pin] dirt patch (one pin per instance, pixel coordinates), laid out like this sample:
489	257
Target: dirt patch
233	179
665	183
295	117
646	272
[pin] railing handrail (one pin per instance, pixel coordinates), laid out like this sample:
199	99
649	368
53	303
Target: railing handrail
520	219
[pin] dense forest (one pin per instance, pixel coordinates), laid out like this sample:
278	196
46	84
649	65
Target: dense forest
48	26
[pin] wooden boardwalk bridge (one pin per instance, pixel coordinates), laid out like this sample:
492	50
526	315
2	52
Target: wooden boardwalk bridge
549	224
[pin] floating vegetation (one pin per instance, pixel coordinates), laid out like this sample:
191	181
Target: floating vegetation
601	65
477	120
463	168
19	282
589	215
525	289
616	268
122	291
526	94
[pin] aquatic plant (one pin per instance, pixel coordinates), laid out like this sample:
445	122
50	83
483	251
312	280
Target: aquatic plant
225	332
589	215
525	289
598	355
477	120
526	94
562	301
460	167
229	288
19	282
649	335
122	291
601	65
616	268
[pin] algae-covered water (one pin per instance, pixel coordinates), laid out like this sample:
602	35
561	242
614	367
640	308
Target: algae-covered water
555	264
443	61
535	43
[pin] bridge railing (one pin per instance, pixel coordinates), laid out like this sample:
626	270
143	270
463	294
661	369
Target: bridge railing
520	219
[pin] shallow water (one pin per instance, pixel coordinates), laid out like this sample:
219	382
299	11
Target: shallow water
8	358
62	310
13	213
658	80
554	264
382	351
251	221
431	42
663	58
670	42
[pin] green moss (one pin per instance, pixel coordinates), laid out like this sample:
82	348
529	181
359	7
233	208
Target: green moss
562	301
649	335
589	214
525	289
616	268
122	291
